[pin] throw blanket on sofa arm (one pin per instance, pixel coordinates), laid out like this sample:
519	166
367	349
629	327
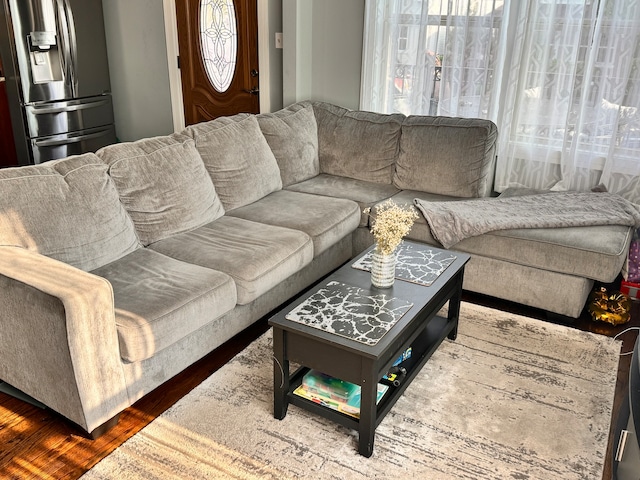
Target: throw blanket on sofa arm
451	222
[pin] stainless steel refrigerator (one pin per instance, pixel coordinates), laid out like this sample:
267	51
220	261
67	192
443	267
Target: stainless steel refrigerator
55	59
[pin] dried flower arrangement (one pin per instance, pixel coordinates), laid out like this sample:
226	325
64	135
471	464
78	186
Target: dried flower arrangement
391	224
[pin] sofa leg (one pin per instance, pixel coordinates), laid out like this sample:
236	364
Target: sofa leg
14	392
104	428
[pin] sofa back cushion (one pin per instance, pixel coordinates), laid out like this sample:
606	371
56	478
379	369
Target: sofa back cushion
238	158
292	135
163	185
447	156
66	209
357	144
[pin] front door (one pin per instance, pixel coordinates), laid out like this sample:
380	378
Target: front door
218	44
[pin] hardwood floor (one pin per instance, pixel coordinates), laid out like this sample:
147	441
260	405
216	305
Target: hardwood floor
36	443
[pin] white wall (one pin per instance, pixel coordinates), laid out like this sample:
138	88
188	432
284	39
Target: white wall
138	68
323	51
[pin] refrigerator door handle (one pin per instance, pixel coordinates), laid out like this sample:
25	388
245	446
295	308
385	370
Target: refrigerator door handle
68	108
73	45
67	38
68	140
63	40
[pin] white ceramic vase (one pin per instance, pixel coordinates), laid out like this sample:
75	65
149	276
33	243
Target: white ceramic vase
383	269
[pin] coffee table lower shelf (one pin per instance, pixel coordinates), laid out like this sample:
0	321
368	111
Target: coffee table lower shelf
423	344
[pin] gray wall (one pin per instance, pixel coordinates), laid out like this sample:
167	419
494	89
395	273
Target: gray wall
138	68
274	67
297	68
321	59
323	51
139	71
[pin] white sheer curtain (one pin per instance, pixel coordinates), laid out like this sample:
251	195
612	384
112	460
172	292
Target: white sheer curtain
432	57
570	117
561	78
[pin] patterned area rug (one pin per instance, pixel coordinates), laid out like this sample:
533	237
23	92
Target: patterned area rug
512	397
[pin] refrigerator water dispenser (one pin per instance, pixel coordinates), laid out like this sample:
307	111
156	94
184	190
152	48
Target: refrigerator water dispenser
45	58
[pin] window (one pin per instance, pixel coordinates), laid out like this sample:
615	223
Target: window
219	41
403	38
432	38
559	77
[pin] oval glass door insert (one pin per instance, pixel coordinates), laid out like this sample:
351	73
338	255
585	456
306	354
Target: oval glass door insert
219	41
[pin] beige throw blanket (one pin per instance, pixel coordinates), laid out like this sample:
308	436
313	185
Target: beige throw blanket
451	222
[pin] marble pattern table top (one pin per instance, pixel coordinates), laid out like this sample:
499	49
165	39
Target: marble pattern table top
350	312
416	264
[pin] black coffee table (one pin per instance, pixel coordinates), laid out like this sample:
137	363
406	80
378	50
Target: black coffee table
335	348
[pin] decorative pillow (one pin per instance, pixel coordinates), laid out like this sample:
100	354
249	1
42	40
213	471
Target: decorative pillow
66	209
357	144
292	135
238	158
447	156
163	184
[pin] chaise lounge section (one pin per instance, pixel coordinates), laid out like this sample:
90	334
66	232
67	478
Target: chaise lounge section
370	157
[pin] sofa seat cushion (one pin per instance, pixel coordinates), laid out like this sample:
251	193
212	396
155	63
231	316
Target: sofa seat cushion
292	135
357	144
449	156
326	220
163	185
597	252
366	194
256	255
66	209
159	300
238	159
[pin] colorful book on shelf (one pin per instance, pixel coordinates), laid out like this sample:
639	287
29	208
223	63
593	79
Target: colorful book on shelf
334	393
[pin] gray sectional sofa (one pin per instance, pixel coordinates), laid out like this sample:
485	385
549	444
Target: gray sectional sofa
119	269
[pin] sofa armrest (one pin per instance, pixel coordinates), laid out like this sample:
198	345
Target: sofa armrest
58	339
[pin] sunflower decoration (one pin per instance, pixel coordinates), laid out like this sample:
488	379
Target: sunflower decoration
613	308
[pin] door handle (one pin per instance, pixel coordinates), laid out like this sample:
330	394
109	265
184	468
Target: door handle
68	108
73	45
253	91
67	38
68	140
